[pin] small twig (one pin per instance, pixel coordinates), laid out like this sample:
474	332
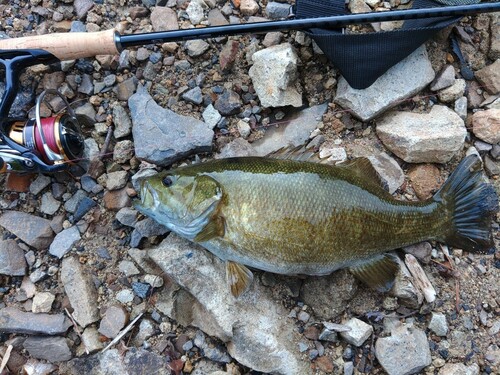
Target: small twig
77	330
122	333
6	358
421	279
104	150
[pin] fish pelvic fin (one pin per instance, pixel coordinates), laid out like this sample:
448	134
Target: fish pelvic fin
378	272
216	227
238	278
472	204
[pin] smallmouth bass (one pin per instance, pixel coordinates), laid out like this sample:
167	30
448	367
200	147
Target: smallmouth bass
296	217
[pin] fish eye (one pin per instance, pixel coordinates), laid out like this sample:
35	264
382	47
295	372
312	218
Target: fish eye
167	181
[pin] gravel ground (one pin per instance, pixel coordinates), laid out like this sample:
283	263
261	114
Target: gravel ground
83	264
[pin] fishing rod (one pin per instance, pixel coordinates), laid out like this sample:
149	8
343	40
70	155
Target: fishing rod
48	144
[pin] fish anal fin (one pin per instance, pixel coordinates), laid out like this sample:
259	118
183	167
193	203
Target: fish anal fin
216	227
364	169
238	277
378	272
298	153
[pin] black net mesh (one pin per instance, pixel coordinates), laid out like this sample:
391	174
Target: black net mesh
362	58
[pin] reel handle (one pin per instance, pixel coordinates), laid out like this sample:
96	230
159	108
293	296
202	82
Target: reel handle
68	46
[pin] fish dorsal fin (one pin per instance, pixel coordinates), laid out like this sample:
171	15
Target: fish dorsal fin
363	168
216	227
238	278
378	272
298	153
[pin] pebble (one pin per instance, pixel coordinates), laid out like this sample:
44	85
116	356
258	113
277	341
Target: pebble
460	107
12	260
459	369
35	230
422	251
228	54
154	280
403	80
92	340
85	205
327	335
249	7
42	302
211	116
81	291
489	77
243	128
146	330
196	47
141	290
452	93
425	180
433	137
276	10
229	103
303	316
64	241
127	216
123	124
40	183
164	18
324	364
444	79
13	320
117	199
194	96
273	73
125	89
116	180
195	12
216	18
360	331
236	148
123	151
389	171
72	203
125	296
486	125
438	324
128	268
114	319
52	349
348	368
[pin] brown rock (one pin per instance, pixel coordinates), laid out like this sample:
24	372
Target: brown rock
35	230
113	321
138	12
324	364
486	125
116	199
228	54
425	179
164	18
19	183
312	333
489	77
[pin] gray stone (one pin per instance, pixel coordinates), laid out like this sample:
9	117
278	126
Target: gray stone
128	268
494	52
404	289
433	137
64	241
243	128
141	258
42	302
12	260
52	349
86	110
72	203
163	19
236	148
257	334
125	296
249	7
162	136
123	125
116	180
193	96
196	47
460	107
401	81
195	12
444	79
90	153
13	320
275	10
452	93
86	87
216	18
35	230
91	340
459	369
389	171
149	227
85	205
229	103
82	7
438	324
405	352
273	73
348	368
81	291
127	216
113	321
40	183
211	116
422	251
123	152
294	132
146	330
327	335
49	205
360	331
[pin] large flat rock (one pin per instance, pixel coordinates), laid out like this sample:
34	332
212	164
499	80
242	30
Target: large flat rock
33	230
13	320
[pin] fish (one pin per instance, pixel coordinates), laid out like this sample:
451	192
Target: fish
292	214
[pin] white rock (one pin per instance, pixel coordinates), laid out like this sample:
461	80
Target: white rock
453	92
42	302
389	171
125	296
273	73
249	7
438	324
459	369
433	137
461	107
195	12
444	79
154	280
400	82
359	332
128	268
243	128
211	116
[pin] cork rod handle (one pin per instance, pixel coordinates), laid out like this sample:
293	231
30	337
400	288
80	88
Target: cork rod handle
68	46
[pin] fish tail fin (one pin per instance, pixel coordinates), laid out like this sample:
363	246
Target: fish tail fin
472	204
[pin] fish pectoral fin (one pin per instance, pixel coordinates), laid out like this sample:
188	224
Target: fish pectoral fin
363	168
238	277
378	272
216	227
299	153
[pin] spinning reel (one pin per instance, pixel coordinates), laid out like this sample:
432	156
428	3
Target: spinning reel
38	144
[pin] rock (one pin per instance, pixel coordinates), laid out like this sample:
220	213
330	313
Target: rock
13	320
438	324
194	96
276	10
216	18
249	7
493	354
229	103
125	296
116	180
348	368
460	107
327	335
422	251
125	89
433	137
195	12
236	148
146	330
211	116
86	110
403	80
42	302
228	54
406	351
389	171
80	290
444	79
257	336
489	77
128	268
196	47
162	136
494	52
91	340
360	331
328	295
116	199
459	369
149	228
452	93
123	151
407	294
40	183
123	125
491	167
273	74
85	205
35	230
272	39
82	7
127	216
294	132
52	349
72	203
243	128
64	241
114	319
141	290
163	19
133	361
12	261
333	154
49	204
486	125
425	180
